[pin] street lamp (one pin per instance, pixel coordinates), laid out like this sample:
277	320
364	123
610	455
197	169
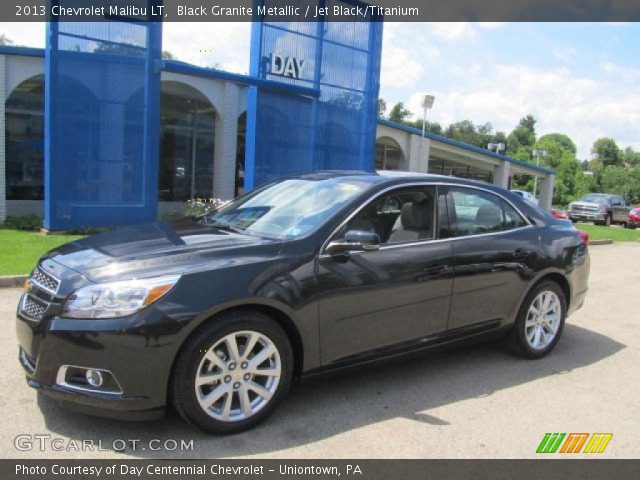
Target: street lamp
537	153
427	103
499	147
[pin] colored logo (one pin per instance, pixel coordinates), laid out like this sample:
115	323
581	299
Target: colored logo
574	442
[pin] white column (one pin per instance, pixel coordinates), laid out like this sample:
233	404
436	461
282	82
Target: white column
546	191
502	173
419	149
226	139
3	98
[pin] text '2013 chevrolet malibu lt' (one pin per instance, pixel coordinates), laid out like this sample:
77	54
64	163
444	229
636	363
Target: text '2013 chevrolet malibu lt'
218	315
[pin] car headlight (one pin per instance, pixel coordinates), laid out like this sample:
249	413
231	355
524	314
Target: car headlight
117	299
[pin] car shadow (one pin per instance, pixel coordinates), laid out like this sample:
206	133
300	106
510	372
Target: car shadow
318	409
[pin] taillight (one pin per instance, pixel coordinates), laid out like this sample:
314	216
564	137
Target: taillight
585	237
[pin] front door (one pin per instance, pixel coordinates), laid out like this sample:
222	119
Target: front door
380	300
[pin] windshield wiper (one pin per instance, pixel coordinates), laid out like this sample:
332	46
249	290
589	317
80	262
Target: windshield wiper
225	226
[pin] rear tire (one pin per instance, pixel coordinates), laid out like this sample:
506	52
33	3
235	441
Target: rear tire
216	384
540	321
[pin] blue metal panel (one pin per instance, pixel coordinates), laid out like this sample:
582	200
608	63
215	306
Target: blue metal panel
297	133
102	98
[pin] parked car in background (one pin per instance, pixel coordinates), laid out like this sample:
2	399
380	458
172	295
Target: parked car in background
600	208
561	214
307	275
527	196
633	220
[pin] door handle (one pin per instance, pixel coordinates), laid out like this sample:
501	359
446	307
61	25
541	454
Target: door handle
435	269
521	254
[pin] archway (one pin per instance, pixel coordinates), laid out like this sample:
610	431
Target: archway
389	154
187	136
24	140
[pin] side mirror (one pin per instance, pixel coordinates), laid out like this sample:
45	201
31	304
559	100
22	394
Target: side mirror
355	240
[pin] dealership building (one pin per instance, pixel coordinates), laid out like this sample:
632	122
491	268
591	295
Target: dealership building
206	134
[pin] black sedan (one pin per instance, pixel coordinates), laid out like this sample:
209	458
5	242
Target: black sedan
306	275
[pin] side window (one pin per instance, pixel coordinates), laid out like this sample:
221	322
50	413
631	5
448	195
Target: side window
476	212
400	216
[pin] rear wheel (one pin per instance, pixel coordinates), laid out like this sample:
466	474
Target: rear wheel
540	321
232	373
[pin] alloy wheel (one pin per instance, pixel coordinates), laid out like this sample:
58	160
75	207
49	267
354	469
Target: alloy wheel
238	376
543	320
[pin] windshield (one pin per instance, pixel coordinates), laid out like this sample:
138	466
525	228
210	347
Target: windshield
595	198
288	209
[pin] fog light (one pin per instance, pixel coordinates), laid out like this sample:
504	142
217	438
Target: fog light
95	378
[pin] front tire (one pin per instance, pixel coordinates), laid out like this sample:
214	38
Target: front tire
232	373
540	321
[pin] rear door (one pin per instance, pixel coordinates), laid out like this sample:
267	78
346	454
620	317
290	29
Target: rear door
619	209
495	250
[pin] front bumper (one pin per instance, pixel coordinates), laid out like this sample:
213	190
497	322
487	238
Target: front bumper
587	216
137	350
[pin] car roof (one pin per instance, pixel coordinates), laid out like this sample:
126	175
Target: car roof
386	176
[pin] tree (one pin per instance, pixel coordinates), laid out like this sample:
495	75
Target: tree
622	181
562	139
432	127
4	40
630	156
529	124
606	150
399	113
465	131
167	55
382	107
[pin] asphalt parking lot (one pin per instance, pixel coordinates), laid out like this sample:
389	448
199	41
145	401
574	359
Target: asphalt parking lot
477	402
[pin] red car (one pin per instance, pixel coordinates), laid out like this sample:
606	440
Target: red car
559	214
633	220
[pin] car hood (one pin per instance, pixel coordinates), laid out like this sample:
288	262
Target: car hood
160	248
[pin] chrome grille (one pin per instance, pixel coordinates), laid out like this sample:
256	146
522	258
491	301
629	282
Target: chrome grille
44	280
32	308
584	208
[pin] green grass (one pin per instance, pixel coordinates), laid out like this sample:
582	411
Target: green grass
617	234
20	250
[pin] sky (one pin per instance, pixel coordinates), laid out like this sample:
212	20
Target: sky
581	79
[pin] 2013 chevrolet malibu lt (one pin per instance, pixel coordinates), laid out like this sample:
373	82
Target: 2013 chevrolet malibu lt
219	315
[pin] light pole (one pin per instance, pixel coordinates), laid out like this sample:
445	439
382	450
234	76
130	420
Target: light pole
537	153
427	103
499	147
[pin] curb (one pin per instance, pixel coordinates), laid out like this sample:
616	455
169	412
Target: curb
605	241
13	281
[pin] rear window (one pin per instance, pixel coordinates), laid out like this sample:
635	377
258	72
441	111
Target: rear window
478	212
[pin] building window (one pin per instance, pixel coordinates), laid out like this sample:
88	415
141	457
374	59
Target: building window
186	144
455	169
240	152
389	155
24	134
